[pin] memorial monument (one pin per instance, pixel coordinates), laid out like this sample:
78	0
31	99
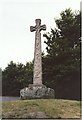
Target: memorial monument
37	89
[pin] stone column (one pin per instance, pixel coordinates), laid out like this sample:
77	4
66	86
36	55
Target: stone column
37	89
37	71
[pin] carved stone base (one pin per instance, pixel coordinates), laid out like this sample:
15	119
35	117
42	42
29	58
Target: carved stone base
36	91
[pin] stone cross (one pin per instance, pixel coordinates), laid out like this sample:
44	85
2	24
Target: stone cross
37	71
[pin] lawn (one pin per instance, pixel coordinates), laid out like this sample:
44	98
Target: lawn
41	108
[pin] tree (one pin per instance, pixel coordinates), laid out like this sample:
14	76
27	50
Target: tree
16	77
28	75
61	66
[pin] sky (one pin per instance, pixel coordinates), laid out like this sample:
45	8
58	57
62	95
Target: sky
16	17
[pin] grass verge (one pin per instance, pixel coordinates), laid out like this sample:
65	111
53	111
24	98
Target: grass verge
53	108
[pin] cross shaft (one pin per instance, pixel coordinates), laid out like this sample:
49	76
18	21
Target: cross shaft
37	71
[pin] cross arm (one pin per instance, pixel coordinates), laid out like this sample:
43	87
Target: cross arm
32	28
43	27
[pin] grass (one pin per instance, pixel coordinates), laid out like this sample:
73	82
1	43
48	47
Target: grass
52	108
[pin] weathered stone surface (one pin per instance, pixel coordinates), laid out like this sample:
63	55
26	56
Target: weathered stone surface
36	91
37	72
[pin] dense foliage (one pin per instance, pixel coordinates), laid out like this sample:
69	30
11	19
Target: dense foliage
16	77
61	65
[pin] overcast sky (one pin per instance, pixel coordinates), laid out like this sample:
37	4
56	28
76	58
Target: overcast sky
16	17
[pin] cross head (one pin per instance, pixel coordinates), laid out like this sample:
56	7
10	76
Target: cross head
38	27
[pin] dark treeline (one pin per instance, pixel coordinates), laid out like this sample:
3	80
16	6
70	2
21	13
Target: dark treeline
61	65
16	77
